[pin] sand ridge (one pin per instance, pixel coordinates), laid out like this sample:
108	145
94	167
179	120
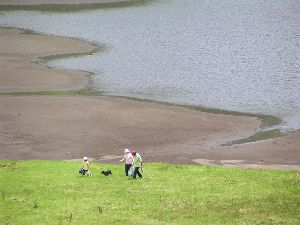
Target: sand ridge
18	53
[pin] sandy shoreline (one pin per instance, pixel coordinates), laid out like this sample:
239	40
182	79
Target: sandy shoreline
20	73
48	127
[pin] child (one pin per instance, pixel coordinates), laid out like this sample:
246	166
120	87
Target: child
86	167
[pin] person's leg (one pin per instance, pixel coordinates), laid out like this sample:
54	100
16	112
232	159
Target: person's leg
127	167
138	173
136	169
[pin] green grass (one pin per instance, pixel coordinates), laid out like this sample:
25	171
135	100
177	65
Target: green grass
52	192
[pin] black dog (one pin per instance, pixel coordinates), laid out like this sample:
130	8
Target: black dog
106	172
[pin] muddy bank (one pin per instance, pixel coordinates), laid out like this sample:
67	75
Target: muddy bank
41	127
19	72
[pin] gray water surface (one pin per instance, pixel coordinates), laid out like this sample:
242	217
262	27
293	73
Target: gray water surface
233	55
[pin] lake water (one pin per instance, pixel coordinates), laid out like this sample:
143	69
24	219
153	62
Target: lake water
233	55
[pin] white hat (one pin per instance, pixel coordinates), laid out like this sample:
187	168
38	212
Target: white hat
84	158
126	150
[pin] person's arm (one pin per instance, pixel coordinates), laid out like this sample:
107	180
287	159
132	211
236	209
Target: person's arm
122	159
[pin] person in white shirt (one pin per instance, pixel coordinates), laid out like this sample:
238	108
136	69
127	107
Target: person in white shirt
128	158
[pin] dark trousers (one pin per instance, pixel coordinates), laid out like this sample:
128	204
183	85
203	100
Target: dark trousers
84	172
127	167
137	172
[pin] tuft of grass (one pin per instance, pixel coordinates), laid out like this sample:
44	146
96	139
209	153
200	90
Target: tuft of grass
53	192
26	31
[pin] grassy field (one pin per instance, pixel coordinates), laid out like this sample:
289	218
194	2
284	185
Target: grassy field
53	192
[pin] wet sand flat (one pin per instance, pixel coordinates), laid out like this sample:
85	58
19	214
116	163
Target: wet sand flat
48	127
42	127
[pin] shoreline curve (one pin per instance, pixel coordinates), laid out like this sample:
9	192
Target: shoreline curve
2	97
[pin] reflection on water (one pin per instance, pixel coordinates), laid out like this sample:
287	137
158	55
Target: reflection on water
234	55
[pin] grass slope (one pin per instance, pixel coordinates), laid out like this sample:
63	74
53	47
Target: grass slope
52	192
